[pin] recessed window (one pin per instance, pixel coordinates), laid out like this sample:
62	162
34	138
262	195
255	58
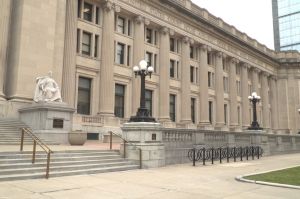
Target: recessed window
173	107
225	113
210	111
121	25
120	53
96	47
148	58
192	52
86	43
119	100
193	109
172	44
192	74
172	68
84	95
211	77
151	36
88	12
97	15
148	100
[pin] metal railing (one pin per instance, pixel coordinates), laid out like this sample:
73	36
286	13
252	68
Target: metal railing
212	154
124	146
36	141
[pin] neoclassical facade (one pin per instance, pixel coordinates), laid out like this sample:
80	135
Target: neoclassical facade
204	68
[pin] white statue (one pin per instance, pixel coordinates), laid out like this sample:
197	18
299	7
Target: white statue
47	89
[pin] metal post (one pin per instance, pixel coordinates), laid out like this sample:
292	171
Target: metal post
22	140
110	140
141	166
234	154
194	156
48	164
247	152
252	152
220	154
33	153
203	156
227	154
212	156
124	147
257	152
241	148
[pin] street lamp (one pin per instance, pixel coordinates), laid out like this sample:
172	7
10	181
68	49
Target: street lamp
143	114
254	98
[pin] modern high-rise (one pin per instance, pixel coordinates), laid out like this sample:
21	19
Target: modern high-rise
204	68
286	23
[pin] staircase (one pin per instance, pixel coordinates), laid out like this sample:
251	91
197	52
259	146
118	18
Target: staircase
10	133
18	166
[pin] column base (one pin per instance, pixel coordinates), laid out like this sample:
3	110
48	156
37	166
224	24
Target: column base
205	125
109	119
235	128
221	127
186	124
167	123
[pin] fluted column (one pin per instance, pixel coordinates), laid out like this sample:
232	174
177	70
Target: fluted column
138	55
274	104
107	85
204	117
164	75
219	90
245	94
265	100
5	8
185	81
233	93
69	67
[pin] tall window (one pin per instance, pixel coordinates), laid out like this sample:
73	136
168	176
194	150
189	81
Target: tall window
239	114
209	58
97	15
172	44
86	43
192	73
96	46
119	100
120	53
172	68
210	111
225	113
211	77
193	109
151	36
78	41
173	107
84	94
121	25
148	58
88	11
148	100
192	52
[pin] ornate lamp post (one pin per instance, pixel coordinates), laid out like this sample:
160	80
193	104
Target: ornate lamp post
254	98
143	114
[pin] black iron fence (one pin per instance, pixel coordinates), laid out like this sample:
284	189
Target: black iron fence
219	154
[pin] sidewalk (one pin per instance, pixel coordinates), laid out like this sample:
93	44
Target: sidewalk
171	182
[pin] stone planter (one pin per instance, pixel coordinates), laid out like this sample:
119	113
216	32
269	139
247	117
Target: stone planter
77	137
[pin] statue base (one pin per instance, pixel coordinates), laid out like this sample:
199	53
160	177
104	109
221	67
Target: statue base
50	121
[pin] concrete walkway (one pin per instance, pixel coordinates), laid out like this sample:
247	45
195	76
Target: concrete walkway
171	182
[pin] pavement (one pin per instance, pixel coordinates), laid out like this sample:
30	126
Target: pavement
171	182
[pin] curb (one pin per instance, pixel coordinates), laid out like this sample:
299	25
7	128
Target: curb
242	179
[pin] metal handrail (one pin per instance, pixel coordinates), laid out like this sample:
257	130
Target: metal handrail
124	145
38	141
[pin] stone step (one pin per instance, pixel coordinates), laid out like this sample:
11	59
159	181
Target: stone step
70	167
67	173
56	164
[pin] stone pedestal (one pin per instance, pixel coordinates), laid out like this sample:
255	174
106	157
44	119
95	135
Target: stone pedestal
147	137
50	121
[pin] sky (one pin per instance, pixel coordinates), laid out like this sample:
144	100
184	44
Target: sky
253	17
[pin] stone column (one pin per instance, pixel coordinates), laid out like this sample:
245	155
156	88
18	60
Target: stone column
204	120
255	81
5	9
274	103
68	89
164	71
138	55
219	90
245	94
233	94
185	81
107	84
265	100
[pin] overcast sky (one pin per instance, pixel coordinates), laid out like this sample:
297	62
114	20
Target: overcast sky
253	17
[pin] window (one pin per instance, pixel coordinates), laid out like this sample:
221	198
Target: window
148	58
120	53
172	44
79	9
211	77
225	113
148	100
193	109
96	46
210	111
192	52
209	58
120	25
192	73
239	114
238	70
84	94
78	41
172	68
177	70
119	100
88	12
128	55
238	87
225	84
151	36
97	15
172	107
86	43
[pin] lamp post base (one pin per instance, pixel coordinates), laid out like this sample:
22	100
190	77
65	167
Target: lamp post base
255	126
142	115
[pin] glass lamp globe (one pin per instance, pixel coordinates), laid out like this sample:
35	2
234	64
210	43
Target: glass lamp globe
136	69
143	65
150	69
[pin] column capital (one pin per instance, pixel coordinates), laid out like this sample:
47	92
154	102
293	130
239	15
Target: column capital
219	54
187	40
257	70
245	65
203	47
273	77
165	30
139	19
265	74
233	60
108	5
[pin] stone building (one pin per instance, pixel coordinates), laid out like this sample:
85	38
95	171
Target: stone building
205	69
